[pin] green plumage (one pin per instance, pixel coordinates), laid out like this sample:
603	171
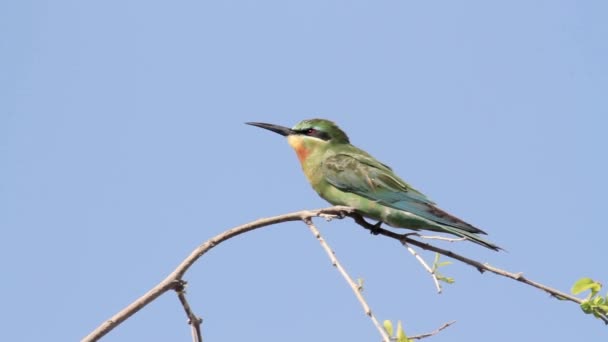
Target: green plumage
344	175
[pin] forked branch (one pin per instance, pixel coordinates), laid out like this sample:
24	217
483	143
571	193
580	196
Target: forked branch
174	280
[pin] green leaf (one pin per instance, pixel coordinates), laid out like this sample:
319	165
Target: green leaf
388	326
581	285
444	263
401	334
448	280
585	284
599	300
586	307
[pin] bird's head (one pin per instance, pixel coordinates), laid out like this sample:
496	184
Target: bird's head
308	135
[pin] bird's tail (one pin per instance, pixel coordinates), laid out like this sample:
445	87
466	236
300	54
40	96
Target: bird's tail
471	237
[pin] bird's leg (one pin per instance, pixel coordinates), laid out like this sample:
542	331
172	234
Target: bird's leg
374	229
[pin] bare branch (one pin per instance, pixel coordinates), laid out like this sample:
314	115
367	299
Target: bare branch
193	319
478	265
173	279
442	238
424	264
432	333
356	289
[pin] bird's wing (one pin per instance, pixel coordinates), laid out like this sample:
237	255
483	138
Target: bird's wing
366	177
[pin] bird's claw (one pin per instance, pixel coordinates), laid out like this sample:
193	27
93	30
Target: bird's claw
375	229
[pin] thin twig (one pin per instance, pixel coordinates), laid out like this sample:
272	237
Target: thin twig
424	264
442	238
193	319
476	264
356	289
432	333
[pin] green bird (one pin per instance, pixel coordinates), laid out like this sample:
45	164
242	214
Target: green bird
343	174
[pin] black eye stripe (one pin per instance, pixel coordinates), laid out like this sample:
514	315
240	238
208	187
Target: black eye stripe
312	132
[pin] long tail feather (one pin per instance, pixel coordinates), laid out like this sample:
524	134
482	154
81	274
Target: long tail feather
471	237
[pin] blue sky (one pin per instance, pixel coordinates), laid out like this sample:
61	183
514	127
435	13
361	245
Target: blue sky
122	148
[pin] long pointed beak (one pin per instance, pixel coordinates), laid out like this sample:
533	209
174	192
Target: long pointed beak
284	131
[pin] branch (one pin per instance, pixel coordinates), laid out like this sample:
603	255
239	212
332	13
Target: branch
356	288
424	264
476	264
432	333
442	238
193	319
174	280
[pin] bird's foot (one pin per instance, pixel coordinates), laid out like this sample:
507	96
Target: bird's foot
375	229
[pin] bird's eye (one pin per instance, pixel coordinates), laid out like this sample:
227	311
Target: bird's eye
311	131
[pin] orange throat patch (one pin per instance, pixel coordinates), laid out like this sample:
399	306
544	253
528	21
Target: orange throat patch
298	145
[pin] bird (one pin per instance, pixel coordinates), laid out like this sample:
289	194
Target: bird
343	174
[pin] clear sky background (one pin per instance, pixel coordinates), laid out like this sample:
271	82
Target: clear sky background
123	147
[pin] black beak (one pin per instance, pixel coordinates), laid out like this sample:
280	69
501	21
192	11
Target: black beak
284	131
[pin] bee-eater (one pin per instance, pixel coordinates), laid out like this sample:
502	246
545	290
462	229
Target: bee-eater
343	174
